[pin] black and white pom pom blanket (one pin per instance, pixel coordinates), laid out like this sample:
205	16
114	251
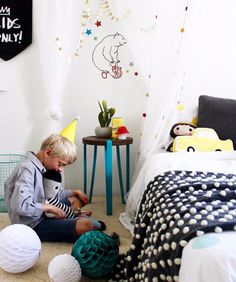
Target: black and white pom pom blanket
176	207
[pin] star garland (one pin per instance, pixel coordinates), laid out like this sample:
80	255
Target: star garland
105	6
128	15
149	29
85	18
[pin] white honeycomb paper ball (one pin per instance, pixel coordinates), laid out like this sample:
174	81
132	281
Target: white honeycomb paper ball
64	268
20	248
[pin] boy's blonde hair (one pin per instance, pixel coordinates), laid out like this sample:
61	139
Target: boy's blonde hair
61	147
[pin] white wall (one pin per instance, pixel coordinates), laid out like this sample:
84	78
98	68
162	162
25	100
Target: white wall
23	105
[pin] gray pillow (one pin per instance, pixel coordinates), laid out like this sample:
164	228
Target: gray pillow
219	114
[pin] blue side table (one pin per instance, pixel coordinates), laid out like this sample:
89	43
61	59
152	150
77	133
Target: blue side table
107	144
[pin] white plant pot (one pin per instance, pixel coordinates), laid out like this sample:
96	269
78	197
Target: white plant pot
103	132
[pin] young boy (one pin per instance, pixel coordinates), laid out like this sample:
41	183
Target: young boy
25	197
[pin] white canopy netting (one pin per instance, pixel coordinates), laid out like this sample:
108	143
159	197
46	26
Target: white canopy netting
194	54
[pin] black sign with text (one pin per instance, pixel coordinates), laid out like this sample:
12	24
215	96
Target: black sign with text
15	27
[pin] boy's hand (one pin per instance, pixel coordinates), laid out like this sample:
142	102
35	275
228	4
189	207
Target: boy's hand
82	197
59	213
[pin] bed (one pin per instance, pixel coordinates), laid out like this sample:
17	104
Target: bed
181	209
182	214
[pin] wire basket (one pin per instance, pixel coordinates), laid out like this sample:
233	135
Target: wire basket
7	163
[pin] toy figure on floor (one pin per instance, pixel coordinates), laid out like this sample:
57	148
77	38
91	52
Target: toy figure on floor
52	187
180	129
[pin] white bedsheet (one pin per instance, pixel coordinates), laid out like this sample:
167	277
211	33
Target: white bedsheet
211	257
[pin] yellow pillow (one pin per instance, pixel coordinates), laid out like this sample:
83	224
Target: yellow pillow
204	140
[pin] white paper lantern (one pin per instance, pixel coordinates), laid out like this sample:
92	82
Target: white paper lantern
64	268
20	248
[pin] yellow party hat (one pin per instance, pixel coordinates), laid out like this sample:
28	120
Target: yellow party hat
70	131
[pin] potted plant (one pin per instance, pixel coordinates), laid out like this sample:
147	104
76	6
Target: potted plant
104	118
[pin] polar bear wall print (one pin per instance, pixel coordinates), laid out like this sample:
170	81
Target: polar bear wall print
106	55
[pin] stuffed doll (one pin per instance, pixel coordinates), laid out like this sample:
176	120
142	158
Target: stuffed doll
180	129
52	187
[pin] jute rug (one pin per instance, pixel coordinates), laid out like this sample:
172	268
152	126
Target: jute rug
39	272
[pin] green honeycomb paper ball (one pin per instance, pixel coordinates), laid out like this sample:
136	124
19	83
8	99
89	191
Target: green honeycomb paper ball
97	253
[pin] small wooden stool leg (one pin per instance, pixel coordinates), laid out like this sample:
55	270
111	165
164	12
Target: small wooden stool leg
120	174
93	173
108	173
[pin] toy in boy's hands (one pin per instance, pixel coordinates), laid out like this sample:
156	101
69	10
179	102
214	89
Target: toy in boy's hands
52	187
180	129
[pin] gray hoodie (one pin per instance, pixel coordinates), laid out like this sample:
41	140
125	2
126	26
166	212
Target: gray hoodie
24	192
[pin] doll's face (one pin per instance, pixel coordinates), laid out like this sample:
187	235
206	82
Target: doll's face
51	188
183	130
